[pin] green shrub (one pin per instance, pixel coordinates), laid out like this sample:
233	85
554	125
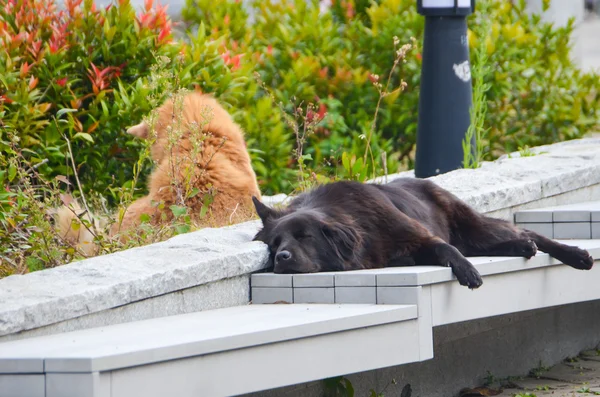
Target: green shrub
80	58
536	96
96	62
71	82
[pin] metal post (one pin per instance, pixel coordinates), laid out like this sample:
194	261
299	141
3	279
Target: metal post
446	93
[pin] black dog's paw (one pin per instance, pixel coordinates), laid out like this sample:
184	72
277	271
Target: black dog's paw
467	275
528	249
578	259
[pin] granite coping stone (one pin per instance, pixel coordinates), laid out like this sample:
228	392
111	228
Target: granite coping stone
97	284
50	296
188	335
515	180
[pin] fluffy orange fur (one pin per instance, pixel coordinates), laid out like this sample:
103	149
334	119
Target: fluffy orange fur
221	166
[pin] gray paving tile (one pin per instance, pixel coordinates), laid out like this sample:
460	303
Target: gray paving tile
595	216
412	275
571	216
271	280
545	229
541	384
313	280
78	385
314	295
22	385
596	230
565	373
591	355
585	364
358	278
366	295
581	230
533	216
272	295
398	295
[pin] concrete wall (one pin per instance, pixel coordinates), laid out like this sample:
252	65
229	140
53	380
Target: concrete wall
509	345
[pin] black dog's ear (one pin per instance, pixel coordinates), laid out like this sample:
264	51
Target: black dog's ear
342	238
265	213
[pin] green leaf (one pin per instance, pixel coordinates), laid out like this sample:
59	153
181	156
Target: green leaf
84	135
180	229
144	218
75	224
64	111
349	388
34	264
358	166
12	172
178	210
194	192
346	161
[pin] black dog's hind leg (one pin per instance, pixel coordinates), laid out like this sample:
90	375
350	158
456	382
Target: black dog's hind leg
479	235
485	236
523	247
569	255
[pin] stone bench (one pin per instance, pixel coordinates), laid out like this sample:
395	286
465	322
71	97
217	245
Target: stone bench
510	285
214	353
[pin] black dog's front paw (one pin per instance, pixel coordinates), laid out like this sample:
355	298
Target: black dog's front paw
467	275
528	249
578	259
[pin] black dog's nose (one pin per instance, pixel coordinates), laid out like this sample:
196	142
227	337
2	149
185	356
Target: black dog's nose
283	256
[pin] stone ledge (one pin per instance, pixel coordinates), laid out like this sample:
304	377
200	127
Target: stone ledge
109	281
513	180
103	283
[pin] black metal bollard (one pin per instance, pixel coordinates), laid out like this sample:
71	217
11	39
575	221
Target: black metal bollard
446	93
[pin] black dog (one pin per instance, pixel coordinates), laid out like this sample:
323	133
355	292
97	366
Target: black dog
350	225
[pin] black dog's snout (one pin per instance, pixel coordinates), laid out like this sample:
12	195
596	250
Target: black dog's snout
283	256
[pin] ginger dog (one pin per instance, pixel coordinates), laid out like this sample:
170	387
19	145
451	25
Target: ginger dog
196	147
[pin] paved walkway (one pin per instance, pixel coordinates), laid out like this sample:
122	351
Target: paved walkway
589	40
579	377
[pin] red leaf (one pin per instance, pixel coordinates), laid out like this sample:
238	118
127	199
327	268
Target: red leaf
33	82
24	69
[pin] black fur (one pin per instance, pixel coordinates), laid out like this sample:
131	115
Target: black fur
350	225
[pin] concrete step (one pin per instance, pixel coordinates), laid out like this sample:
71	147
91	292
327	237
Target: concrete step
214	353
